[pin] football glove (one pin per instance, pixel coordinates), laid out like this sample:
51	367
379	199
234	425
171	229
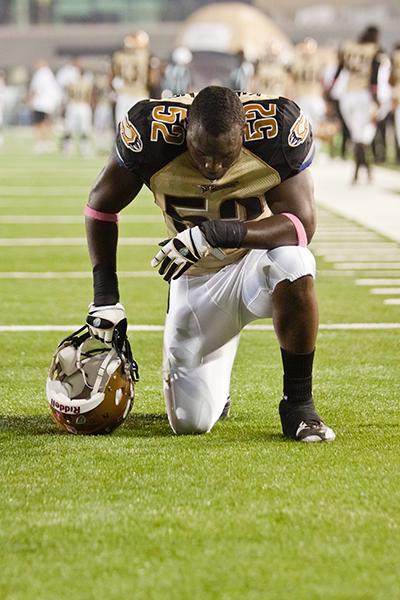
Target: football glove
178	254
104	320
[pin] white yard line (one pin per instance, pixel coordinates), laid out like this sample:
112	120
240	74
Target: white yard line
365	266
378	282
348	237
71	219
334	246
350	273
131	241
392	301
69	274
385	291
338	229
339	258
36	190
336	326
157	328
88	274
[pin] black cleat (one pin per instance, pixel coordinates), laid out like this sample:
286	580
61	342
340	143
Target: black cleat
226	410
300	422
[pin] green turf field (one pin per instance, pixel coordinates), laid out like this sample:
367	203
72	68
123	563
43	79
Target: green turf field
239	514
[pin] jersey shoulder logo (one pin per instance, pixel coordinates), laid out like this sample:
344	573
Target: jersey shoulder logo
130	135
299	131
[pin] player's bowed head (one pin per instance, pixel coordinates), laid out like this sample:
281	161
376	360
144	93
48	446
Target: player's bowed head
214	130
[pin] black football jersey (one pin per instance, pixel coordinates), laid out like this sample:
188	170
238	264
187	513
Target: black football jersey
151	143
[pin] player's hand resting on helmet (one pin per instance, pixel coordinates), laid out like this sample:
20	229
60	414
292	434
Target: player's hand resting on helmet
103	320
183	251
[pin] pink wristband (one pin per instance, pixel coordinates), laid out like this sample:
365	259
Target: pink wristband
100	216
299	227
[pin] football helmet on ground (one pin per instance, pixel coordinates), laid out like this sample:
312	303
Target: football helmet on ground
90	386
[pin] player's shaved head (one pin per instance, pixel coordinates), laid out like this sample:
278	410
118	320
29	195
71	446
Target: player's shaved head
215	130
217	109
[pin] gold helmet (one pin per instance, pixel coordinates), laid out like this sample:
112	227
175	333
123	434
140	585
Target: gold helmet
90	386
135	40
307	46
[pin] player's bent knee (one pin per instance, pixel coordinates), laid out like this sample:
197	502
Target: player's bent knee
188	420
189	410
289	263
188	427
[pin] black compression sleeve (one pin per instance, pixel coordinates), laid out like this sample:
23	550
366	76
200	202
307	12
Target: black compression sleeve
224	234
105	285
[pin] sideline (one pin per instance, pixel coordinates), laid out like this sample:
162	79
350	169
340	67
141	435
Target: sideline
71	219
375	205
73	241
151	328
68	274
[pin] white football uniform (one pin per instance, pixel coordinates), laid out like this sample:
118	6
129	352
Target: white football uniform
79	113
205	317
396	91
356	102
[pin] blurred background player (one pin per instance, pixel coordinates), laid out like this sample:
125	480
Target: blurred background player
2	99
178	76
308	74
130	73
242	76
67	74
44	100
271	76
335	89
103	120
383	113
359	101
79	111
395	83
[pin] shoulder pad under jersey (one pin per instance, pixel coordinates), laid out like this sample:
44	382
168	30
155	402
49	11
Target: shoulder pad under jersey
278	133
152	134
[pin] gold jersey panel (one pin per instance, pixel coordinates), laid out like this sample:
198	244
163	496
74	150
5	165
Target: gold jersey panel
357	59
81	90
132	67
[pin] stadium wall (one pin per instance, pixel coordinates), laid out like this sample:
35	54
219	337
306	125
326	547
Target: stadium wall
55	43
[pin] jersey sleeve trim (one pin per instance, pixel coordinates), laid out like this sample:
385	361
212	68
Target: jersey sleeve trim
308	159
119	158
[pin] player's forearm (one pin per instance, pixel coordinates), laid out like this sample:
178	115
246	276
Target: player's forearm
278	230
272	232
102	239
114	189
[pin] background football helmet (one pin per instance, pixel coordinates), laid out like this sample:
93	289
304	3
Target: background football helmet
90	386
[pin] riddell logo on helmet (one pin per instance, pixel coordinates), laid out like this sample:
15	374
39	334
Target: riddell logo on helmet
65	409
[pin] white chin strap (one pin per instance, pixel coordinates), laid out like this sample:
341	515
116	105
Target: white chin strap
111	356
